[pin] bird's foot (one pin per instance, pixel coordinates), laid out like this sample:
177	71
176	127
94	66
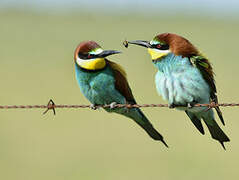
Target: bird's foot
113	105
189	105
127	109
94	107
171	106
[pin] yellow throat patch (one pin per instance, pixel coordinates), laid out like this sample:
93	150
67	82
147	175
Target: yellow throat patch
157	54
91	64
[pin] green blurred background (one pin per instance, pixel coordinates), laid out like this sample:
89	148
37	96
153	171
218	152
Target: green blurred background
36	64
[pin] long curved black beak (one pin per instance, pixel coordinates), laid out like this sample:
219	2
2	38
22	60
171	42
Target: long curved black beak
138	42
108	53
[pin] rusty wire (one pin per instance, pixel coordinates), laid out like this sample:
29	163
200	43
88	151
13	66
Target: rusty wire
52	106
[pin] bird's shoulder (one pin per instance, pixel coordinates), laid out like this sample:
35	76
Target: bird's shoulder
121	83
204	66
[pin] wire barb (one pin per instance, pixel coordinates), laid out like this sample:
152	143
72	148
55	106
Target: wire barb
50	106
211	105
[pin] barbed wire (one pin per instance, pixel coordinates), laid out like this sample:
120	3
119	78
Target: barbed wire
52	106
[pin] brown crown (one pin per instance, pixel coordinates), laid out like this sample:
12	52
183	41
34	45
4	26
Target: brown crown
85	47
178	44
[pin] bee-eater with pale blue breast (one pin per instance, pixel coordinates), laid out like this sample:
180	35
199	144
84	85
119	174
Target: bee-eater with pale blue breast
184	78
104	82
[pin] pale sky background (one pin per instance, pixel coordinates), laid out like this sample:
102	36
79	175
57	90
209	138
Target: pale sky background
203	7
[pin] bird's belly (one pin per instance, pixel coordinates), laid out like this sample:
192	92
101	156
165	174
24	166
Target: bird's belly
181	88
100	90
97	92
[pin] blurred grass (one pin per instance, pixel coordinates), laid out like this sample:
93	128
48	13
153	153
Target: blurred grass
37	64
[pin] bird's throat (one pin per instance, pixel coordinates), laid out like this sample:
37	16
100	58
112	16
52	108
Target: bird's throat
92	64
157	54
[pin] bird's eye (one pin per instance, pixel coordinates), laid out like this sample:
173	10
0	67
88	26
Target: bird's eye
86	56
83	56
162	46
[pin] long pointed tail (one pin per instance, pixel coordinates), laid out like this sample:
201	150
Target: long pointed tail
196	121
214	129
138	116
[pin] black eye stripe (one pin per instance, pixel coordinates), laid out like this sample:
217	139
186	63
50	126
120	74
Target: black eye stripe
86	56
161	47
164	47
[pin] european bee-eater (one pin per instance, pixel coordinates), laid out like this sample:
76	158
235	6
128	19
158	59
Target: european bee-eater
184	78
104	82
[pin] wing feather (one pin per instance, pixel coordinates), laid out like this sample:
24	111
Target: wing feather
121	83
205	68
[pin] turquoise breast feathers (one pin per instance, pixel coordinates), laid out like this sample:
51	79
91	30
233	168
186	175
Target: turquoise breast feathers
98	87
179	82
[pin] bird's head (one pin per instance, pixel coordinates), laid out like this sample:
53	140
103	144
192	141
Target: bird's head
166	43
89	55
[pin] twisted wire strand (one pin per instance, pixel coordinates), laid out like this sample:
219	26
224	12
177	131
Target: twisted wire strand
72	106
52	106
